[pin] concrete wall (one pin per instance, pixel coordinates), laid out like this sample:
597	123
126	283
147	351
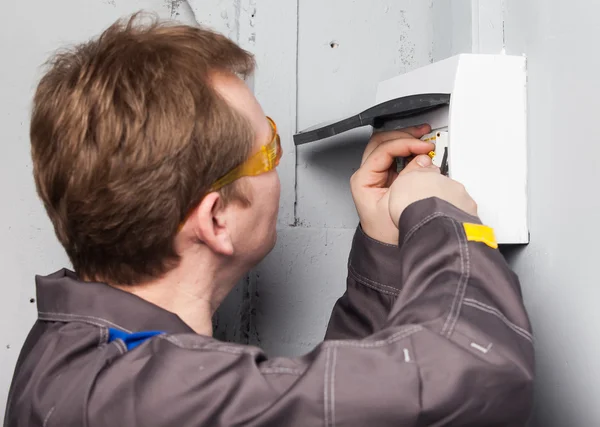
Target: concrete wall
558	268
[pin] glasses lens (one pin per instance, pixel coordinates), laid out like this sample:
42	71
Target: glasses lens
279	151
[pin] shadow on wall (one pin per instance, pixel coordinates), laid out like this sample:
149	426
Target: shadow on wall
512	252
335	158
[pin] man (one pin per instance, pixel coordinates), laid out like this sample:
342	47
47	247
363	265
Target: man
156	166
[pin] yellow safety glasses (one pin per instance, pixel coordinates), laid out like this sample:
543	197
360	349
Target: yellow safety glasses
265	160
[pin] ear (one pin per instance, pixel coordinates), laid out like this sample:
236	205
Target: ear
211	225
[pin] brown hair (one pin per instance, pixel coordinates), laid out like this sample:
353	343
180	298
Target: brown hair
127	134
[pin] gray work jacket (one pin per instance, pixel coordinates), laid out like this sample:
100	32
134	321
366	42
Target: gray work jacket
430	333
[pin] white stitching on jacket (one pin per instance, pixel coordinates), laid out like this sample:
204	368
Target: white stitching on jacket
120	345
210	346
482	349
381	343
491	310
333	386
421	224
372	284
456	291
326	388
97	321
461	288
50	412
103	336
409	330
281	370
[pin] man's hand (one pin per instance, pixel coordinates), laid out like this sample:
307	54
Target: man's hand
371	183
422	184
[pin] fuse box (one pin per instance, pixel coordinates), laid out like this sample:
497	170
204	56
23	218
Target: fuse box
476	105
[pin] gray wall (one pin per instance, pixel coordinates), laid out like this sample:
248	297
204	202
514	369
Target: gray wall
558	268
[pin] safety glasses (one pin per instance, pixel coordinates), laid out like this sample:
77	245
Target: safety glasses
264	160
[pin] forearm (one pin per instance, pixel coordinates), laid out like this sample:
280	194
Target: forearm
373	285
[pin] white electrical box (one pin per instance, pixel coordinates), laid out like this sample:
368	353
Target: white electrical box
477	107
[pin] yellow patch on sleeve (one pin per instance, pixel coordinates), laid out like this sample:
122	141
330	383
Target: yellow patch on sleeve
481	233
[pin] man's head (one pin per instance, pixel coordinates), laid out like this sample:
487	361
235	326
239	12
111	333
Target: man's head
129	133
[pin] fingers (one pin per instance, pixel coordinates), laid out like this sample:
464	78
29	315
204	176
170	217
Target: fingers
384	155
379	138
420	162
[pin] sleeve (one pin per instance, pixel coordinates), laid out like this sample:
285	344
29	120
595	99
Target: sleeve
372	287
455	350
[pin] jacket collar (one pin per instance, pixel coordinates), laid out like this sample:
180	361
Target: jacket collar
62	296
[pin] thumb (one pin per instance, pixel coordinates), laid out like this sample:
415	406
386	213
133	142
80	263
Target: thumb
419	162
